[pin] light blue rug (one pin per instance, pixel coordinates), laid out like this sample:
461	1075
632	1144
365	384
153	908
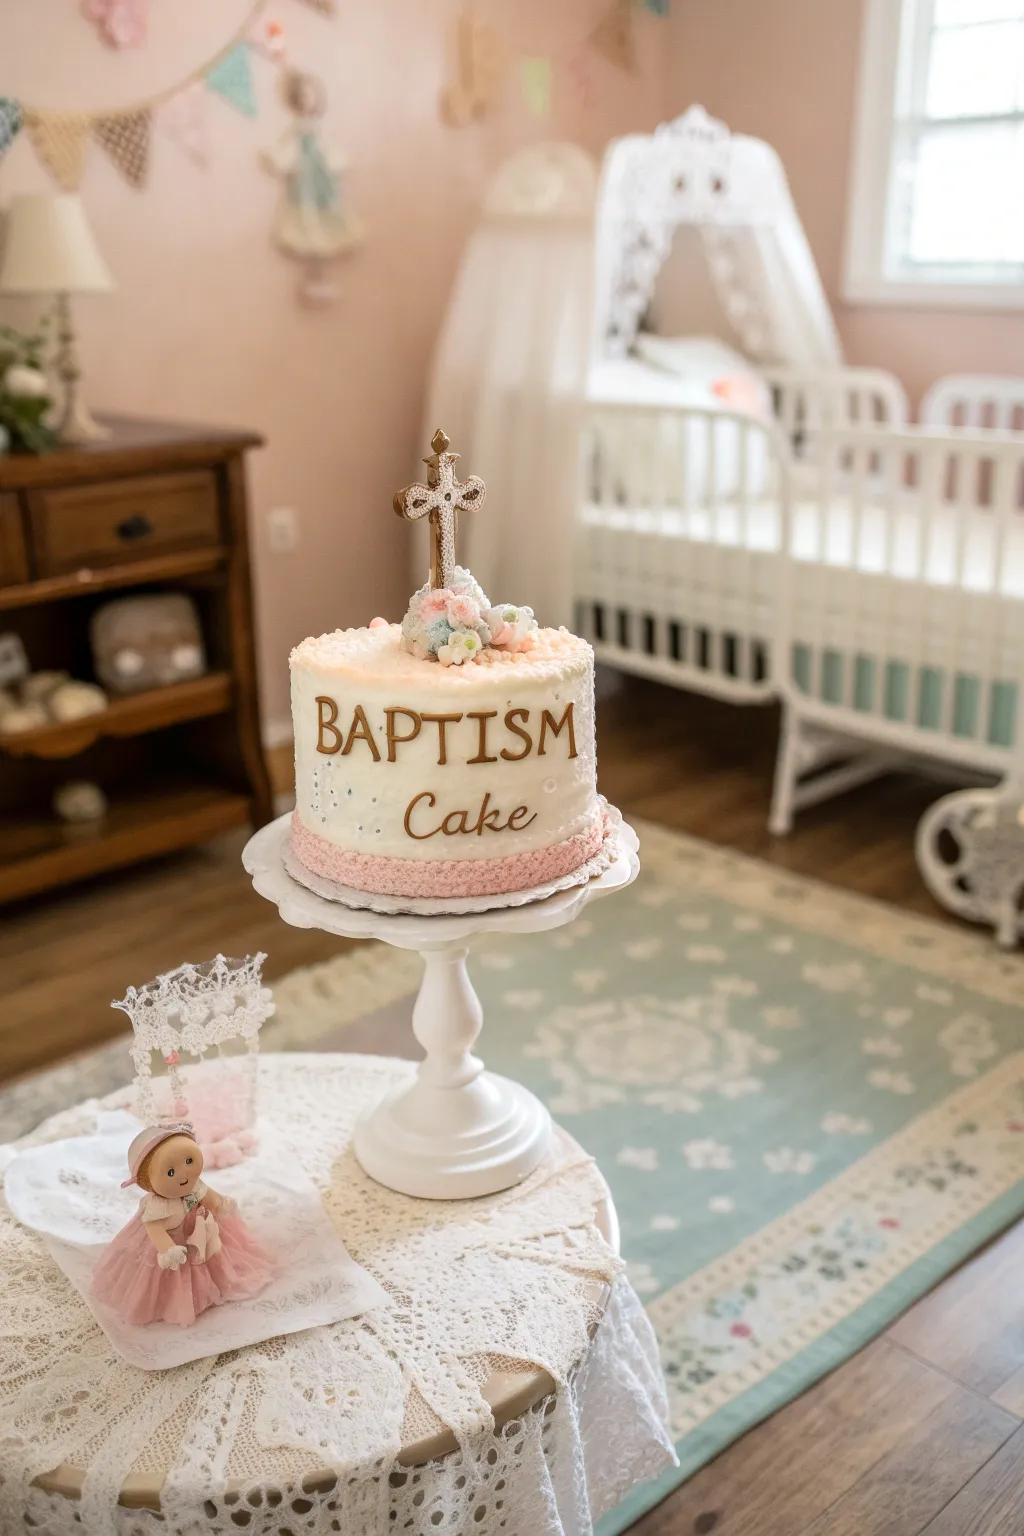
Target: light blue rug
809	1108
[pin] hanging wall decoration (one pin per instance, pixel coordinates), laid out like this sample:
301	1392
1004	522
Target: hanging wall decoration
313	224
479	70
535	82
231	78
59	139
183	121
120	23
126	140
10	123
614	38
656	7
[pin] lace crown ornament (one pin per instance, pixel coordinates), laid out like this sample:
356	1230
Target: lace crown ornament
193	1011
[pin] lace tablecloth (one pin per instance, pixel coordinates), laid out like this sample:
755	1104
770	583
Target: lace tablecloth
303	1433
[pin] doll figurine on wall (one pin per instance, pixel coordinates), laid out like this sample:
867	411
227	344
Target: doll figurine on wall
186	1248
312	222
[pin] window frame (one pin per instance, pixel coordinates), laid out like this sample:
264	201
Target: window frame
865	279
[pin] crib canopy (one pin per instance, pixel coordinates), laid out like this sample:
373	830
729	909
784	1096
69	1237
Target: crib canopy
733	190
509	371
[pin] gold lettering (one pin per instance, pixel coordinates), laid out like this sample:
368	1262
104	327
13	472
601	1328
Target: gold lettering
360	731
515	823
481	716
517	730
325	722
431	802
393	740
442	721
458	823
548	722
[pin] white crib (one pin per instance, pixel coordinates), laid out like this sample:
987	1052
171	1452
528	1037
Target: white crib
872	578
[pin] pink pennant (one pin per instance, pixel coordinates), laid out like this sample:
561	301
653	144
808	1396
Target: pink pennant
182	119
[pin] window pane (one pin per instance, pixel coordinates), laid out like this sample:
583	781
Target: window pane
965	205
958	13
973	71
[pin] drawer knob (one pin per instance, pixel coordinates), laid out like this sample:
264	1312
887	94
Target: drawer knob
138	526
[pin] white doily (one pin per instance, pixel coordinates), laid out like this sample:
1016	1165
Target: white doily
69	1192
303	1433
618	838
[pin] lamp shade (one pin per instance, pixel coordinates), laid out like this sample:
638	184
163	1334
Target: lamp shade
49	248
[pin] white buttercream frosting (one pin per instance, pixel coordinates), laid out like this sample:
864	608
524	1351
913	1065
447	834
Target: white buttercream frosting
360	800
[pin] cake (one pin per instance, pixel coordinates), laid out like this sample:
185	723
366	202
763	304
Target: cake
452	755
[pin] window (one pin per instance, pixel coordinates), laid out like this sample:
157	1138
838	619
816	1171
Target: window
937	196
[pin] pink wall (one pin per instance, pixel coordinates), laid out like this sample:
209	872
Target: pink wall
204	324
786	71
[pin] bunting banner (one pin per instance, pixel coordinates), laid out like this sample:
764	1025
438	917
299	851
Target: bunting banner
613	37
126	140
656	7
325	7
535	82
59	139
183	121
231	78
10	123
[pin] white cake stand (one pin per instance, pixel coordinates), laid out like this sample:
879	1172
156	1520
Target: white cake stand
457	1131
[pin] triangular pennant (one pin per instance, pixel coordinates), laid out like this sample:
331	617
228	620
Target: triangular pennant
656	7
325	7
231	78
535	81
59	139
613	36
10	123
183	119
126	140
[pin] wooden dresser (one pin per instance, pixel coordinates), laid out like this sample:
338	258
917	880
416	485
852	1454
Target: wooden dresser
154	507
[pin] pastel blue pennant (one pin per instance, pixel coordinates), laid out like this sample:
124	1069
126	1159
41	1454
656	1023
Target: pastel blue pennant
232	79
657	7
10	122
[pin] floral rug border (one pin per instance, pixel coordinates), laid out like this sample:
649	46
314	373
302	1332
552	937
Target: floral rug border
735	1321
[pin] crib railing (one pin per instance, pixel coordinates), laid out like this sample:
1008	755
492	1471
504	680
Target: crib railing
809	401
973	400
677	554
902	612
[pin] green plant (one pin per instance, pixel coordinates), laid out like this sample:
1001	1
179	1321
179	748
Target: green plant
25	399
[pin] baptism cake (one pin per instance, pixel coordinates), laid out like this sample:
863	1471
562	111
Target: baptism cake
450	756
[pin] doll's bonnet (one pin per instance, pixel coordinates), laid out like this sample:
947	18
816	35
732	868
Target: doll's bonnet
149	1139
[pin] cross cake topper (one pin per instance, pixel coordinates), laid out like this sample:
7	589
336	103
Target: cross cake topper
441	500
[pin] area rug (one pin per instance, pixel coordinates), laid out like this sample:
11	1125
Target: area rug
810	1107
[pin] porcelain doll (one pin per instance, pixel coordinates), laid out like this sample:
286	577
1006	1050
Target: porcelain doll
186	1248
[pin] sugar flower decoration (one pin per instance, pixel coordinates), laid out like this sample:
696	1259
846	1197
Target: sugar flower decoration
456	624
464	645
512	629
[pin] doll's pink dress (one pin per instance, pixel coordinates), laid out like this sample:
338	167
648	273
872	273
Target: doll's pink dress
225	1263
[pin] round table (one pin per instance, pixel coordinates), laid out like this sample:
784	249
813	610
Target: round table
475	1400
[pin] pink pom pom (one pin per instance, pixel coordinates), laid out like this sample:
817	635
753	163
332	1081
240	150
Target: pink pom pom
378	623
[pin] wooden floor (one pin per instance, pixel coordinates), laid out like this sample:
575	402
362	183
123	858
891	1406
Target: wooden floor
921	1432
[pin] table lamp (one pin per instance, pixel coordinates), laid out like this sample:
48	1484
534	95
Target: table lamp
49	248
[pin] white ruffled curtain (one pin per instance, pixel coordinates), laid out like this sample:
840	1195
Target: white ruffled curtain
509	372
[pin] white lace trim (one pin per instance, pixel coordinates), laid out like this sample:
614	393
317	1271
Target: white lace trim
304	1431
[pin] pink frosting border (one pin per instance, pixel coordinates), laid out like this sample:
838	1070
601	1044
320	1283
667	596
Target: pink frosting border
445	877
